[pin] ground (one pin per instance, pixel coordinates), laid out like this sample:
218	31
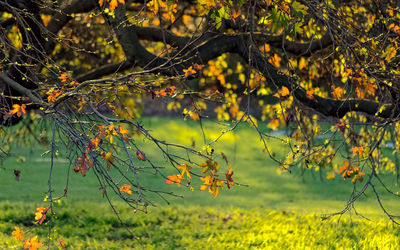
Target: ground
274	210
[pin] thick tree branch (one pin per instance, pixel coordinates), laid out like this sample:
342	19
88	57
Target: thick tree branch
129	40
61	18
104	70
22	90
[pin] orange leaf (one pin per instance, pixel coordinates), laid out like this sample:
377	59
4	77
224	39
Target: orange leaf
18	233
17	109
189	71
282	93
310	94
126	189
357	151
63	77
337	92
275	60
198	67
32	244
140	155
174	179
113	4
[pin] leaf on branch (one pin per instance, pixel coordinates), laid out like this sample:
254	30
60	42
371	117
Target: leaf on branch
174	179
284	92
40	214
225	158
189	71
126	189
337	92
140	155
229	178
109	158
18	109
357	151
63	77
185	169
310	94
275	60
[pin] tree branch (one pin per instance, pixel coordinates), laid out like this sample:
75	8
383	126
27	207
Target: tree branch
104	70
22	90
215	47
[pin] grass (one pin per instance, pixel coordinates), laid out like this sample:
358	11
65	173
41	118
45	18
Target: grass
197	227
274	210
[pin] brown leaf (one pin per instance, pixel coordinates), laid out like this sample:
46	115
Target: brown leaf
140	155
17	174
225	158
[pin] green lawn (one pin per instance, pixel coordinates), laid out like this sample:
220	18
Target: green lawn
274	210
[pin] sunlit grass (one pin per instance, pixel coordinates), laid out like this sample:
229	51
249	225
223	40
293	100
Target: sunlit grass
308	195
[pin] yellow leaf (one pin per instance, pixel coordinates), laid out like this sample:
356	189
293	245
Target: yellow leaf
185	169
126	189
302	63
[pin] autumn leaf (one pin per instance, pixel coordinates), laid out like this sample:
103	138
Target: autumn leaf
357	151
140	155
274	124
359	176
18	233
124	132
17	174
94	143
347	73
370	88
52	95
126	189
62	244
174	179
109	158
213	184
189	71
110	132
337	92
341	126
63	77
40	214
82	163
114	4
154	4
265	48
185	169
302	63
310	94
225	158
275	60
284	92
32	243
235	14
18	109
198	67
229	179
